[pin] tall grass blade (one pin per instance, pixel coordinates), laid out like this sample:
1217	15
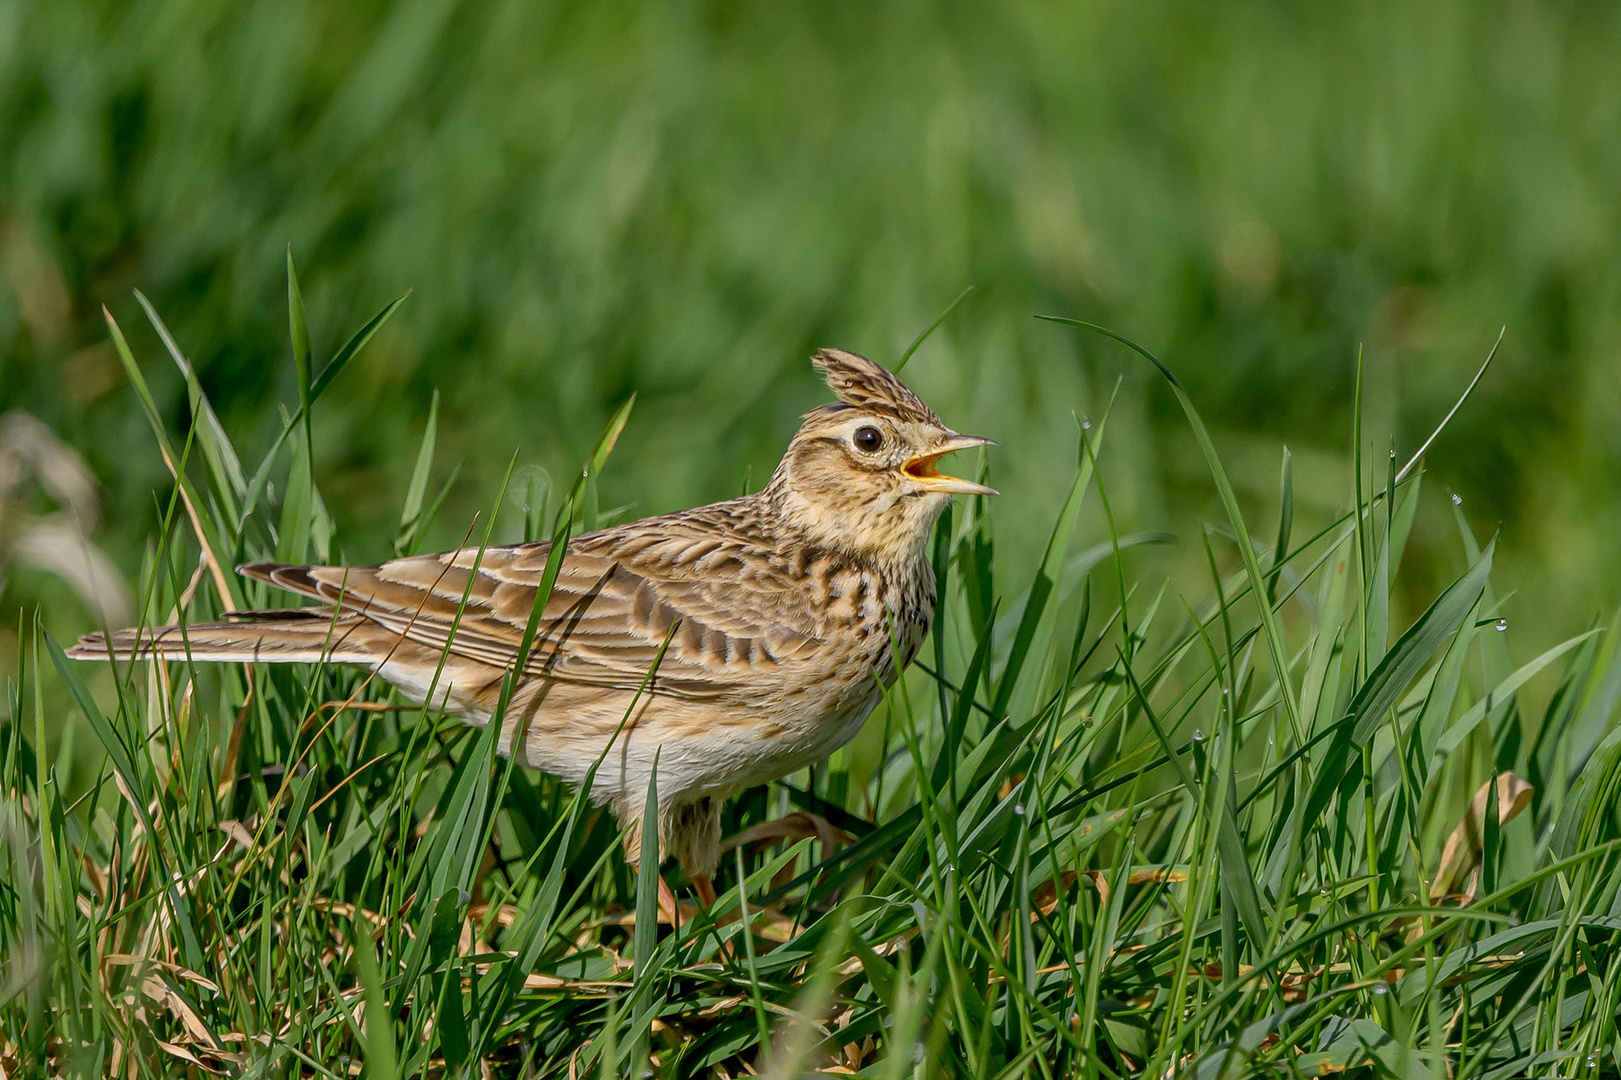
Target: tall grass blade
1412	651
357	341
334	367
918	341
1286	520
1274	631
382	1058
229	482
411	516
1464	726
647	904
1036	617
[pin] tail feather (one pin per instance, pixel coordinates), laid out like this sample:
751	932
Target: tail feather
295	636
292	577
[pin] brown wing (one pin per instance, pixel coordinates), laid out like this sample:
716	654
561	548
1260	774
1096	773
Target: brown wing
738	617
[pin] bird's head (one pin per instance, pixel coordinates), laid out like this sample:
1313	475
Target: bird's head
860	474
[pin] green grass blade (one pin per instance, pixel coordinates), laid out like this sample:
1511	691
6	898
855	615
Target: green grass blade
1036	614
204	522
261	476
297	509
647	900
918	341
1274	631
133	780
229	483
1503	690
382	1058
1412	651
299	332
1418	454
357	341
1318	692
411	515
1286	520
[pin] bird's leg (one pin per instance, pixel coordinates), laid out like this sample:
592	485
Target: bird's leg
705	888
667	905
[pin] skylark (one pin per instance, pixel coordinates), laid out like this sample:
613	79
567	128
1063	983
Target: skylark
781	611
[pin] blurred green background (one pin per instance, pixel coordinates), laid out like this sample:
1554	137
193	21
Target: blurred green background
685	199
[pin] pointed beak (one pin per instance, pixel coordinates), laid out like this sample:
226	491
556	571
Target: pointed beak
921	469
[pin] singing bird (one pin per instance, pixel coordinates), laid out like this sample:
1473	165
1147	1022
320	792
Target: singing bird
779	613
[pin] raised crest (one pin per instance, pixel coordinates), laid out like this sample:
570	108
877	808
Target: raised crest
862	384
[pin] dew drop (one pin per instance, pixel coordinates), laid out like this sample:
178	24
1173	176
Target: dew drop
1086	722
1501	625
1018	809
1322	891
1457	500
1086	423
1224	691
1198	736
1380	989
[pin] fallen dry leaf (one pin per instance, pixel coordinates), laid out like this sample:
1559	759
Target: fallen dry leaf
1460	859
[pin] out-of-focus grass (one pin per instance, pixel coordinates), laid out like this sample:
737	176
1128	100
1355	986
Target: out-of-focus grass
683	199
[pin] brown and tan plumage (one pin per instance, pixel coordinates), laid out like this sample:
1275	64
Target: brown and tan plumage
780	609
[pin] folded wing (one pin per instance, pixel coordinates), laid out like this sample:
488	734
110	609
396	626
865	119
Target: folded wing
732	617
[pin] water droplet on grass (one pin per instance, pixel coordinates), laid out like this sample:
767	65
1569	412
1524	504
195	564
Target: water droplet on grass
1086	423
1198	736
1501	625
1457	500
1018	808
1380	989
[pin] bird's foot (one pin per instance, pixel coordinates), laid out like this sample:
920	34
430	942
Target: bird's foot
799	825
796	826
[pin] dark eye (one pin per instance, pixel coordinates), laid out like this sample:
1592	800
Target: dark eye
868	439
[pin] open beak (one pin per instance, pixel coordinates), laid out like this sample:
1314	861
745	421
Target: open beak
922	471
